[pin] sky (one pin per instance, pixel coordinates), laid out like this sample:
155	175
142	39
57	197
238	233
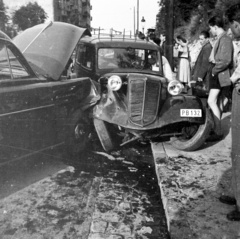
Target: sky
119	14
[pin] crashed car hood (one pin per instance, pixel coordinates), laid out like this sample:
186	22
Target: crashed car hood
48	47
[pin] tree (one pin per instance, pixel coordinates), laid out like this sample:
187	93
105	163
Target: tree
189	16
222	5
28	16
206	9
3	16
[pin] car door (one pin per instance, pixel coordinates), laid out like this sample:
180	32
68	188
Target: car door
84	62
26	109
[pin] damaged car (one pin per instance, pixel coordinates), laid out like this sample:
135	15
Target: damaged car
137	101
40	108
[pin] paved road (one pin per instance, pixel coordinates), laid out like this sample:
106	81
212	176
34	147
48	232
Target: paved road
98	196
19	173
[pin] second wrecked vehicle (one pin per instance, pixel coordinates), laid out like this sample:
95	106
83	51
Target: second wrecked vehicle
39	107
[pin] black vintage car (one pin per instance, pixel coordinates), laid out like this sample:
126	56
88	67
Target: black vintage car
39	106
137	101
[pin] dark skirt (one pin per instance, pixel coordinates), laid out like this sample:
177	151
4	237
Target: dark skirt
214	82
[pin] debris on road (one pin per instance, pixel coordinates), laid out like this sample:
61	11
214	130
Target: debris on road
98	199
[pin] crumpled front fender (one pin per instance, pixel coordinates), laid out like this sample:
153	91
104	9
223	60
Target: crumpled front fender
170	111
92	98
115	112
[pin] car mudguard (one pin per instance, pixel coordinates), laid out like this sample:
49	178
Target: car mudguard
113	110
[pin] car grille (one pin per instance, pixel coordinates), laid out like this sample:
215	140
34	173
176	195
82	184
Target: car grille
143	99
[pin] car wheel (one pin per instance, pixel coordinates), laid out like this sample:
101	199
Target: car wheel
78	133
103	134
193	136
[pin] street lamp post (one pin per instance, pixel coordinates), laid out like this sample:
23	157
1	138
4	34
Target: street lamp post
143	21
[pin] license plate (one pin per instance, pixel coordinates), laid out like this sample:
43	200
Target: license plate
191	113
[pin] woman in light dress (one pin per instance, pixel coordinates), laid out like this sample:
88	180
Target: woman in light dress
184	62
167	71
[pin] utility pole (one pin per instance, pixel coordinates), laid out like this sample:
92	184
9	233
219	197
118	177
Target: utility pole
169	21
137	16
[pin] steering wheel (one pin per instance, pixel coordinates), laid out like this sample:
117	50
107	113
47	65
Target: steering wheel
140	64
125	64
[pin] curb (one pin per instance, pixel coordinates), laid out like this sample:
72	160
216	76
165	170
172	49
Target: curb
160	157
179	227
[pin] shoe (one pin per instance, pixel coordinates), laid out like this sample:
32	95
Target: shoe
215	137
227	200
234	216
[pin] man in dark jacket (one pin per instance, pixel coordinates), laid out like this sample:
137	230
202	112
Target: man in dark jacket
200	69
233	15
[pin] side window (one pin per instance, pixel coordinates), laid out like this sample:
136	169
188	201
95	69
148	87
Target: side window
5	72
10	67
85	56
18	70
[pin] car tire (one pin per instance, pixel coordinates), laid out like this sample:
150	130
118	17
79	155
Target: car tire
78	132
198	138
103	134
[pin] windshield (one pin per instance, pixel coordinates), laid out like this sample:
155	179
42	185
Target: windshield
129	58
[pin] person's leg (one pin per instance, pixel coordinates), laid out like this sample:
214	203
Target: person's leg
213	104
225	95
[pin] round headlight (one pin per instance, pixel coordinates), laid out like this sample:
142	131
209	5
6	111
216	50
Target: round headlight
114	83
175	87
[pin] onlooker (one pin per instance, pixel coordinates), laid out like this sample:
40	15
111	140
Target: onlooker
162	43
221	59
184	63
175	56
199	72
152	37
233	15
236	48
194	50
167	69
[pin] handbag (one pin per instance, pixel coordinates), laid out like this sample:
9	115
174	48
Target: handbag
201	88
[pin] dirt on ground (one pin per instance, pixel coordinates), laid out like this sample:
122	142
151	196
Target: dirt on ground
191	184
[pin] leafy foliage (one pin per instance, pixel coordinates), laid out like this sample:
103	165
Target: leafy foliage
222	5
29	15
191	17
3	16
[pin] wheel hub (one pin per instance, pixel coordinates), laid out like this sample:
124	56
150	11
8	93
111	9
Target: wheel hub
79	132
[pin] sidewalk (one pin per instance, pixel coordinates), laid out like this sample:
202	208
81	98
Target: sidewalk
191	183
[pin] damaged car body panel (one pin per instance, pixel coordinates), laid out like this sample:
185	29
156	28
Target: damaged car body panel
146	105
40	108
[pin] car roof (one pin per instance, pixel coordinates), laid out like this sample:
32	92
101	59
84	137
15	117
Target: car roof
119	41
